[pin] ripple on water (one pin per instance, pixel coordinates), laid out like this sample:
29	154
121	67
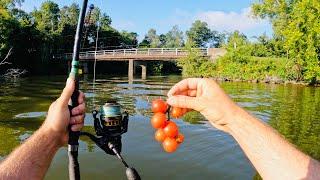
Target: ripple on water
31	115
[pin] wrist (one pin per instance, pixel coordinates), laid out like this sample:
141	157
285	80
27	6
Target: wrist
237	118
56	138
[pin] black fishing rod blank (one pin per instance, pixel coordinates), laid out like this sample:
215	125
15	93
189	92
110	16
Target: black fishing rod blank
73	144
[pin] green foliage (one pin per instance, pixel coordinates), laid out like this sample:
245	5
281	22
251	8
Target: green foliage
195	65
199	33
203	36
47	18
240	63
156	67
296	24
151	40
237	67
129	38
174	38
37	36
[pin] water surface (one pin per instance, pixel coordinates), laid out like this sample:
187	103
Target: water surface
206	153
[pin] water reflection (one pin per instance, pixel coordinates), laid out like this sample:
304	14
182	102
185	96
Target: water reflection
298	119
206	154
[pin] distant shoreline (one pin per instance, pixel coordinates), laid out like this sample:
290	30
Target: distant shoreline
277	81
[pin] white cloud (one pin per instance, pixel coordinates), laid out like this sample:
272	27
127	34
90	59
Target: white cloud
231	21
220	21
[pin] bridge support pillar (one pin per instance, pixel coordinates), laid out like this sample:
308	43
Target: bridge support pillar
143	72
130	70
85	68
69	66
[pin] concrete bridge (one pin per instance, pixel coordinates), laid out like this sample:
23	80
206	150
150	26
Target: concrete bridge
140	56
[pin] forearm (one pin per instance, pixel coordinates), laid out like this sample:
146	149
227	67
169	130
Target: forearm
32	159
269	152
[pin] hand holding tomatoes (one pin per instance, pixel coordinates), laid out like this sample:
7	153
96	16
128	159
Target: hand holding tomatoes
167	131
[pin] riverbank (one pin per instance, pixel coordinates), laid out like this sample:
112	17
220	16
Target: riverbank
240	68
271	81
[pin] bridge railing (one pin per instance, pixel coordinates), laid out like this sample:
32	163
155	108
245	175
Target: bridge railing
170	52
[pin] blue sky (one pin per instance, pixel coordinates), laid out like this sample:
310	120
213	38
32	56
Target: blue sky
141	15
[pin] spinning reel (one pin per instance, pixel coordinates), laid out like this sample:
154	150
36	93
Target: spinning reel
109	124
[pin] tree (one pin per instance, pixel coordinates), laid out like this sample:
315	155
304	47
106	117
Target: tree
69	16
145	43
153	38
199	33
296	25
6	22
174	38
10	3
129	39
163	40
47	18
236	40
217	39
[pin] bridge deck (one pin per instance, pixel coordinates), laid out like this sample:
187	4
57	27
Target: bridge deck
146	54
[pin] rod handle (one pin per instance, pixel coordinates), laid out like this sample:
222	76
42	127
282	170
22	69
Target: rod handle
74	168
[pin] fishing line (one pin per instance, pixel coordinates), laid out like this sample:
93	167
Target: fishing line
95	56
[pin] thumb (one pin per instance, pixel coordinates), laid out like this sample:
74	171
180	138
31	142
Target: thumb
184	102
67	91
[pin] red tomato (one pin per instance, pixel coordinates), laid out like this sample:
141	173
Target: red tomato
170	145
176	112
171	129
180	138
158	120
160	136
159	105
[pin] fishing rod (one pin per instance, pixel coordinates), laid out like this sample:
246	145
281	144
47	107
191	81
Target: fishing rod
73	143
109	127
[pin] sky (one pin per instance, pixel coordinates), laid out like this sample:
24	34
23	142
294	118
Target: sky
141	15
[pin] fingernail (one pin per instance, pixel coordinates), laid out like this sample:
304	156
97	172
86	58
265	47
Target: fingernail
169	100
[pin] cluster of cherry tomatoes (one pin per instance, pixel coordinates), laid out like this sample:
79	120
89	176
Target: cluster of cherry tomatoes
167	131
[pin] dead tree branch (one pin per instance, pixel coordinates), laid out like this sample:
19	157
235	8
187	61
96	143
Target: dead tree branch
4	61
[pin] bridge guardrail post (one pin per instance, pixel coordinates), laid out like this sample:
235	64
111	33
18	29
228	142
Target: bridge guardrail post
148	52
176	51
113	52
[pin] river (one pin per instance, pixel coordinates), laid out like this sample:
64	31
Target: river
206	153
